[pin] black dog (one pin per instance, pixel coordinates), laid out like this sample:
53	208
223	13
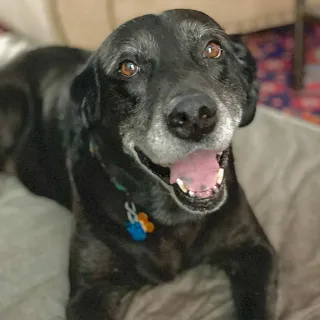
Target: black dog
144	123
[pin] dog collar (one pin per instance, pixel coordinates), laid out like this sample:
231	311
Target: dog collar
138	224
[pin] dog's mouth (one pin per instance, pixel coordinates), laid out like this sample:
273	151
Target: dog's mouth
196	179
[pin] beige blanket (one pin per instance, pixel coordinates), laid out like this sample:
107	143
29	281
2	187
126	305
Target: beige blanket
278	163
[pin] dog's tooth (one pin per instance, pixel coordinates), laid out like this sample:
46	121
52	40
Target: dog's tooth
219	153
215	189
191	193
220	175
181	185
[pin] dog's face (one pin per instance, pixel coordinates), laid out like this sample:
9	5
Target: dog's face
174	87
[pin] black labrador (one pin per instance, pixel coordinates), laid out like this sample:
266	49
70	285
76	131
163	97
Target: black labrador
136	139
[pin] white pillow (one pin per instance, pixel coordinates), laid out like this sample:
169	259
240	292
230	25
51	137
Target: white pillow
34	244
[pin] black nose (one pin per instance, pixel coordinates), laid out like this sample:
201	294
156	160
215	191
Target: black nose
193	117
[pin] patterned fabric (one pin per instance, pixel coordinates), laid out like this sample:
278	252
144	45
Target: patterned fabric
273	51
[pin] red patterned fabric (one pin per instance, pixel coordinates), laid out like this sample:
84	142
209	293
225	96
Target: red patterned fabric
273	52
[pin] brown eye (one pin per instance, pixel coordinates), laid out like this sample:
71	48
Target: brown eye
212	51
129	69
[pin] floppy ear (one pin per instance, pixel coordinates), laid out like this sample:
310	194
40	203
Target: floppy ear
248	66
85	93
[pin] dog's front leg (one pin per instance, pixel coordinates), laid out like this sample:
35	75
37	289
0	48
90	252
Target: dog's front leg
95	303
253	274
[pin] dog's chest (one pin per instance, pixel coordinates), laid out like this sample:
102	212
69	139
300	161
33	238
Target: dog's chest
172	252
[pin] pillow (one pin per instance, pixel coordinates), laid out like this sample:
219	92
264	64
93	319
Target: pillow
34	237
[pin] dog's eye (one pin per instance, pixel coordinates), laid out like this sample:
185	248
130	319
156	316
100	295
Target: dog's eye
212	51
129	69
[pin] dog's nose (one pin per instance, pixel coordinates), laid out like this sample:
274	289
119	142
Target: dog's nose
193	117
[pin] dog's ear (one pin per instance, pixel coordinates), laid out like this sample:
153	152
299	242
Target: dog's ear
85	93
248	68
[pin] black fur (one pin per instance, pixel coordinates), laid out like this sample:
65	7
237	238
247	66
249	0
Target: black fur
58	103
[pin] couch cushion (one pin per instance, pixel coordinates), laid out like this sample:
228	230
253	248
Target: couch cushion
34	237
234	15
86	24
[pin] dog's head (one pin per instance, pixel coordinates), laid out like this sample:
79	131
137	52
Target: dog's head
173	88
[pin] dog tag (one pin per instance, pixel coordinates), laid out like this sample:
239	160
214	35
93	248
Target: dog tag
136	231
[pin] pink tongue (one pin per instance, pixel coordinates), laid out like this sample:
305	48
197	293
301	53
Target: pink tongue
198	170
